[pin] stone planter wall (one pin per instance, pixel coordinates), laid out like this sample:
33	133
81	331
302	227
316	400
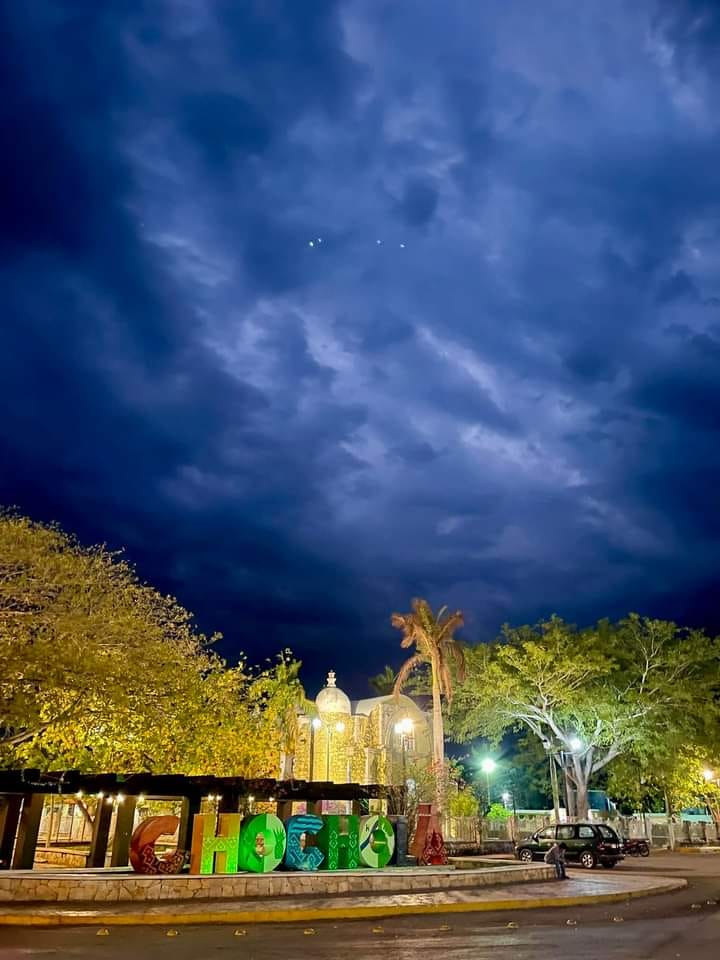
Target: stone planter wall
110	886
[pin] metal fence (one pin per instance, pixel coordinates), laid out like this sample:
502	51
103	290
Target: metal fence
656	828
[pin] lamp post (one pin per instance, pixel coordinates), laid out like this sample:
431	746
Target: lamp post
553	779
315	725
403	728
340	728
488	766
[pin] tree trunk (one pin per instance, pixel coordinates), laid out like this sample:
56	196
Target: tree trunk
582	807
287	762
438	735
671	825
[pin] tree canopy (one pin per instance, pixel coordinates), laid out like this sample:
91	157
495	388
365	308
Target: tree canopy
99	671
591	695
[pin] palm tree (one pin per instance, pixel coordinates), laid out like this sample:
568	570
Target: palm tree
383	683
432	636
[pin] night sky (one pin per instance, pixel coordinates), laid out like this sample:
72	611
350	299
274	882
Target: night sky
493	377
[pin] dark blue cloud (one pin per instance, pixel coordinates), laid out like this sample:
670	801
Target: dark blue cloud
317	307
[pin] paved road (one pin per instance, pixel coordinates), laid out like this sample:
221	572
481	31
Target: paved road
658	928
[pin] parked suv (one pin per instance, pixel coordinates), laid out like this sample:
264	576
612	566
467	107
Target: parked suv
587	844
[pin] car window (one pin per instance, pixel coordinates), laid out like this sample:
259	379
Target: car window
566	832
547	834
607	832
586	833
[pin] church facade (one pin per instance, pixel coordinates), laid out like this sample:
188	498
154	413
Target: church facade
376	740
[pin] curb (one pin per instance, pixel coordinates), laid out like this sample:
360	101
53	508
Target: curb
88	918
698	850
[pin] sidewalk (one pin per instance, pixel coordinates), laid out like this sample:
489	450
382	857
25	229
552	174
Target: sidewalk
580	889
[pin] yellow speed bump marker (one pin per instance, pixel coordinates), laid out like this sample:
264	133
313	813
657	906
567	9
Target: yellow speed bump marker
239	933
378	930
103	932
171	933
512	925
308	931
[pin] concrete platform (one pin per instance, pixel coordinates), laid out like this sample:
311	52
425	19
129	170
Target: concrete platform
581	889
123	885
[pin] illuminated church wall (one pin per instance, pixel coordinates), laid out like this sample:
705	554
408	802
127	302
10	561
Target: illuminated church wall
357	742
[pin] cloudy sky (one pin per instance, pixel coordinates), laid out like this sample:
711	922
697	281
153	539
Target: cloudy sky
316	306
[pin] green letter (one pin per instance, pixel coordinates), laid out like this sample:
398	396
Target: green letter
342	850
262	843
377	841
215	852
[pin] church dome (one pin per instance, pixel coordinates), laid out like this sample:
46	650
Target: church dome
331	698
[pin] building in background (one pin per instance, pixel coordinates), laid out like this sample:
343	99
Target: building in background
377	740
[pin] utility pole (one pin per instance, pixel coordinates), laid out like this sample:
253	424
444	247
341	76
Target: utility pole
553	779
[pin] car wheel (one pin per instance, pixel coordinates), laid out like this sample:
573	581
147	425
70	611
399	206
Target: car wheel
526	855
588	860
609	864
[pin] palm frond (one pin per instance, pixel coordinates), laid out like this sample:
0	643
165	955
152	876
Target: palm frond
404	672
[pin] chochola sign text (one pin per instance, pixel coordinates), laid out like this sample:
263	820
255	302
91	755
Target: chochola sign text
261	842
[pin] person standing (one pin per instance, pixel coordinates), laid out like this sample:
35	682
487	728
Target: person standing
556	856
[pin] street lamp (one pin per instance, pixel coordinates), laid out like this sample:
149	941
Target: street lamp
487	766
315	725
403	729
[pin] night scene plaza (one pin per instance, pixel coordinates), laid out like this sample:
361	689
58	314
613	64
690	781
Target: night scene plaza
359	472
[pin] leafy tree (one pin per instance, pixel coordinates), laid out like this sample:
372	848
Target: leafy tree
432	636
463	803
101	672
283	699
81	638
592	695
682	775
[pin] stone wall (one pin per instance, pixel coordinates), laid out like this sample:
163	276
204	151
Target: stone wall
109	886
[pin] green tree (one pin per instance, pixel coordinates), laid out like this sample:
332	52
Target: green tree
432	636
591	695
283	699
81	639
101	672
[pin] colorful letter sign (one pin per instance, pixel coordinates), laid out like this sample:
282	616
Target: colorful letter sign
297	857
215	852
143	858
261	842
377	841
341	847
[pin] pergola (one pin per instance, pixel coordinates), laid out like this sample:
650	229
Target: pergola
23	792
